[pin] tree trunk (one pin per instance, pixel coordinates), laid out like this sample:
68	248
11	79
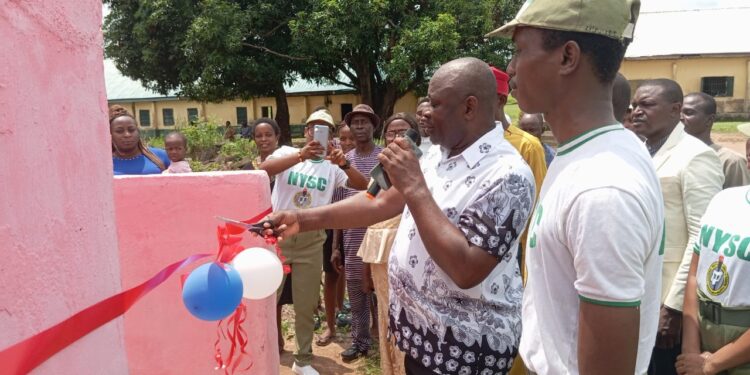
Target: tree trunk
384	100
282	115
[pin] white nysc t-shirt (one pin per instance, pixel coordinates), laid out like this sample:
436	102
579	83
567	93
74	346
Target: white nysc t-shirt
596	236
723	273
307	184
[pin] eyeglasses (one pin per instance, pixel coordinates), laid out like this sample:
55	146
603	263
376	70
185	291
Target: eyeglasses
395	133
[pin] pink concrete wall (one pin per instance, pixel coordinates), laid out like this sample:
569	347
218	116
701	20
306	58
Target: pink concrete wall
162	219
57	234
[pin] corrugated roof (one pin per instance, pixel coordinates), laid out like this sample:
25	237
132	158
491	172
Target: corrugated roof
664	31
121	88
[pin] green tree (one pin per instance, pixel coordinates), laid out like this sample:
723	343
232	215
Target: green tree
207	50
386	48
214	50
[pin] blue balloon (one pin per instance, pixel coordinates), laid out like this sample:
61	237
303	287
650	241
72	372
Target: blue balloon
212	291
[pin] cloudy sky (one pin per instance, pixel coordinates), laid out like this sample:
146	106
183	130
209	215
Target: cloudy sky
671	5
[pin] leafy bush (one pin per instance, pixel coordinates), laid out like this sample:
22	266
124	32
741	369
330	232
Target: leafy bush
204	139
209	151
238	149
157	142
198	166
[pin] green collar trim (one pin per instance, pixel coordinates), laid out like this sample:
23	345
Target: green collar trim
610	303
575	142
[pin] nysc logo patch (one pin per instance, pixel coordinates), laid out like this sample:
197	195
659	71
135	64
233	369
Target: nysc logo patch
717	277
302	199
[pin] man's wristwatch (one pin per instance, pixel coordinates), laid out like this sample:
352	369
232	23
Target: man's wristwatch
346	165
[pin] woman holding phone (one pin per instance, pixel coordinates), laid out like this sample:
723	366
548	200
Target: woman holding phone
306	178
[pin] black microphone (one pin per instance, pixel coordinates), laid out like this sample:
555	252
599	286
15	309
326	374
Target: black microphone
379	179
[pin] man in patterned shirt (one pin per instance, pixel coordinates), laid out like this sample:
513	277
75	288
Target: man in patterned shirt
455	285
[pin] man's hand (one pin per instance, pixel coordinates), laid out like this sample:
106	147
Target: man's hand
282	223
337	157
693	364
670	328
311	150
402	166
336	260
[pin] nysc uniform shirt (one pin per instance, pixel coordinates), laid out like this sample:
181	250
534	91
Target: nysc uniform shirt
596	236
723	273
307	184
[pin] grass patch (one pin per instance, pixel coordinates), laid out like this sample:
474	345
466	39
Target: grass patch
285	328
514	112
726	126
371	364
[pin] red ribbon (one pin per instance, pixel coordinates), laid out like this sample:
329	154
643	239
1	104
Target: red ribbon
238	339
26	355
229	237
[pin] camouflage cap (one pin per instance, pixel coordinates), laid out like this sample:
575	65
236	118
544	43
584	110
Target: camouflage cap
611	18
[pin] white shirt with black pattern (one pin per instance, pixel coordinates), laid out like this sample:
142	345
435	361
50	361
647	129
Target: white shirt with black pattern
488	192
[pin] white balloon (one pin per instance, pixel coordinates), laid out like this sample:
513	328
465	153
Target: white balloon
261	272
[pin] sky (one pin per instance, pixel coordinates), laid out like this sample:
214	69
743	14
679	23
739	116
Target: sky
672	5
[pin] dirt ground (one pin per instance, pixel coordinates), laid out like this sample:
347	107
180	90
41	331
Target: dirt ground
735	141
327	360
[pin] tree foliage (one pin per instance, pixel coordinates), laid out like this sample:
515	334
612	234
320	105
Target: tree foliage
208	50
385	48
214	50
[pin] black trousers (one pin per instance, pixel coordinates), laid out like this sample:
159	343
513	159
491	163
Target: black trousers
663	360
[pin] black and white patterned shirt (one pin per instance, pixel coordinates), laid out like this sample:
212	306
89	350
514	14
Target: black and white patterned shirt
487	192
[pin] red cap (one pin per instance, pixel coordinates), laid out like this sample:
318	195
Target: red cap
502	79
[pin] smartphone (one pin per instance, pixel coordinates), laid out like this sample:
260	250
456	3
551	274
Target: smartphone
320	134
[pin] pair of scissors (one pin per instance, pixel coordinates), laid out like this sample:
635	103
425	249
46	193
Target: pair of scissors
258	228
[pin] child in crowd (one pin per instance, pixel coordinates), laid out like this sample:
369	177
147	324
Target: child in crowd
333	287
346	139
176	145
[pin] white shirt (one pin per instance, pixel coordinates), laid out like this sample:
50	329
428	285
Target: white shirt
425	145
487	192
595	236
723	273
307	184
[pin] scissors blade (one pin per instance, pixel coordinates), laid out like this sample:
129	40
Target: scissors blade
257	228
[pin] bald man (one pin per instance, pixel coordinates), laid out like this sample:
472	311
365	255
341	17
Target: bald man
698	115
455	284
533	123
690	174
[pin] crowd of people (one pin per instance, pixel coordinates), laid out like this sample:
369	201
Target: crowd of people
622	251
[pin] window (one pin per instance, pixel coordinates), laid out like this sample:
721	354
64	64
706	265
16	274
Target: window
241	115
718	86
168	116
266	111
192	114
144	117
345	108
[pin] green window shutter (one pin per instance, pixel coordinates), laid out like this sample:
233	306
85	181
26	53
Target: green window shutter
144	117
168	116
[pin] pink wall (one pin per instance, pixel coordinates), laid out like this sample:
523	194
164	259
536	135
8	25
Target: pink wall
57	233
162	219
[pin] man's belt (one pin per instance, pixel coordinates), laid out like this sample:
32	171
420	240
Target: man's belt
718	314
